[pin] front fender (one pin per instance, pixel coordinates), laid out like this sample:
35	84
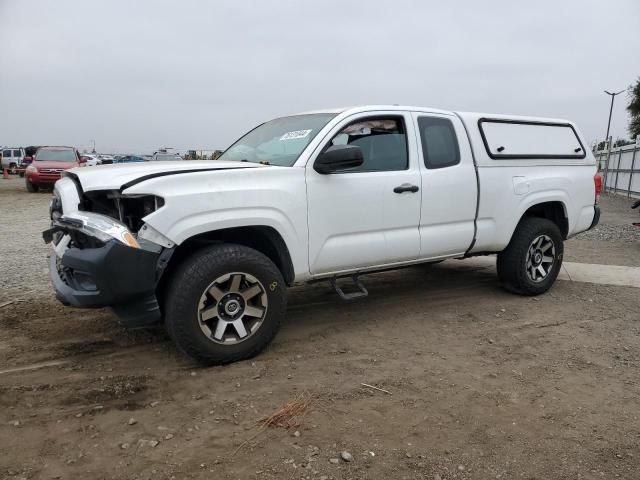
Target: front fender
208	201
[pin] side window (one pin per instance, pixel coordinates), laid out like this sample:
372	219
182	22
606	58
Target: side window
16	153
6	153
383	142
439	143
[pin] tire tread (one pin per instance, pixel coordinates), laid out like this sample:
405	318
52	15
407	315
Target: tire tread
199	265
511	271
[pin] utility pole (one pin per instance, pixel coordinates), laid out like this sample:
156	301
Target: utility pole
613	96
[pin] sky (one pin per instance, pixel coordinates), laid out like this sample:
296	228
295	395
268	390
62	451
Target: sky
134	76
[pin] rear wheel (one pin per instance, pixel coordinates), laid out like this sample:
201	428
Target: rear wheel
531	262
31	188
224	304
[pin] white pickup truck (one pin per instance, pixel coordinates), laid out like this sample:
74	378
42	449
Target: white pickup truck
211	246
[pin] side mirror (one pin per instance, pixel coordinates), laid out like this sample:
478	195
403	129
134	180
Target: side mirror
338	157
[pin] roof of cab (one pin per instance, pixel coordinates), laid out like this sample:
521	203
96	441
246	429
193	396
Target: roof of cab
469	116
365	108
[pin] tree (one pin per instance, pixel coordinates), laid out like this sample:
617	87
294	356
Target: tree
634	109
621	142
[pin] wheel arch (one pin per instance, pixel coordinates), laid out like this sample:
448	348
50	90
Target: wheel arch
265	239
553	210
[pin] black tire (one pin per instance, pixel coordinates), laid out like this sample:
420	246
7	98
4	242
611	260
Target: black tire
195	275
31	188
512	261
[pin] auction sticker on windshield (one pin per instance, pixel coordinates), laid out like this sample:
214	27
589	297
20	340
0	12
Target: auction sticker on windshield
296	134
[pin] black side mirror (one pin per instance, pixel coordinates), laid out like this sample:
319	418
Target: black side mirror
338	157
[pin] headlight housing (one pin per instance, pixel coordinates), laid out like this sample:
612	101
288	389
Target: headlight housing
31	169
99	226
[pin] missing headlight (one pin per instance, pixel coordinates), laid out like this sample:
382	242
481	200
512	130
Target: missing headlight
129	210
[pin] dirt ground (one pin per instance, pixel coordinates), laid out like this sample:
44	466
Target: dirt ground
482	384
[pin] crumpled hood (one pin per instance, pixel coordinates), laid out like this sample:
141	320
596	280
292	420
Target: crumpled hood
112	177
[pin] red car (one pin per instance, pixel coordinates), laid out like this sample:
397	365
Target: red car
48	164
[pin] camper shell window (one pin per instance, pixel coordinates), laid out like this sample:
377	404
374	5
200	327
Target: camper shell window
516	139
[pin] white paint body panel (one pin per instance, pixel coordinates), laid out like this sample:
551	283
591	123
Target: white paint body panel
201	202
449	197
113	176
354	222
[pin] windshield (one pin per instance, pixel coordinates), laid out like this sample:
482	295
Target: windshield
278	142
50	155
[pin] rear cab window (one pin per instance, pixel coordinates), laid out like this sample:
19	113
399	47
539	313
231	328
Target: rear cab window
440	147
516	139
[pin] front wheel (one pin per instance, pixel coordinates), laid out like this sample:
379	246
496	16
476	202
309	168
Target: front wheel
531	262
31	188
225	303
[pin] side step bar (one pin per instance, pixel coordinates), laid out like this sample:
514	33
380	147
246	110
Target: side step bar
361	291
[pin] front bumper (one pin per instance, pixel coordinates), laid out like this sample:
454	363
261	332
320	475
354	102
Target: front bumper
42	179
113	275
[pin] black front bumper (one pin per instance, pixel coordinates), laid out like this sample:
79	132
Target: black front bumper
113	275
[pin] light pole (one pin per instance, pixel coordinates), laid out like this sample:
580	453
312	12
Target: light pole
613	96
94	143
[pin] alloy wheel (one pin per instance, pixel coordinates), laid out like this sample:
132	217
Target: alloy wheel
541	258
232	308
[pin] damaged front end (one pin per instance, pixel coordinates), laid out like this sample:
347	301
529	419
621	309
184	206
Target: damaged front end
104	253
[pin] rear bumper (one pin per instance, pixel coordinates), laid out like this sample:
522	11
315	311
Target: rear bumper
114	275
596	216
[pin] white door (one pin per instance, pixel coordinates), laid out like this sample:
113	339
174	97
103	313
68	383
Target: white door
449	186
356	219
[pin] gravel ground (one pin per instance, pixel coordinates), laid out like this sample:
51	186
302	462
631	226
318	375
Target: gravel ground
616	223
24	263
618	233
614	241
481	383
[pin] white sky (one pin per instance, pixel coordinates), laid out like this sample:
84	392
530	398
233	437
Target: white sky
138	75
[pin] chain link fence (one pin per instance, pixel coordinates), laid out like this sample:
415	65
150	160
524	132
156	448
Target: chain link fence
620	170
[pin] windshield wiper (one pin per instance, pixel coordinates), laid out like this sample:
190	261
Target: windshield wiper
261	162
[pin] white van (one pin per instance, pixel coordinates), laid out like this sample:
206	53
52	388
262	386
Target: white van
12	157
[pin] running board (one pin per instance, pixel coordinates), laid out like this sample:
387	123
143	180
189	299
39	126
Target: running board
360	293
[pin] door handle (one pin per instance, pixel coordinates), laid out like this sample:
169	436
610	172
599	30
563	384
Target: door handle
406	187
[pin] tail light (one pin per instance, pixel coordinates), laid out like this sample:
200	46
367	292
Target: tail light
597	183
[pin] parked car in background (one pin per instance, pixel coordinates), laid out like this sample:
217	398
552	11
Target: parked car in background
29	153
48	165
105	159
165	156
130	159
12	157
91	160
